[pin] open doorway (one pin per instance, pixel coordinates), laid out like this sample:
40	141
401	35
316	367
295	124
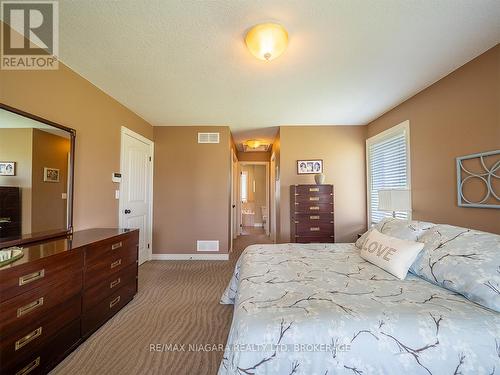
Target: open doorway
253	202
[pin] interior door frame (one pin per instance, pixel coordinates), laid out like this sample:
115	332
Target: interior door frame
267	227
127	132
233	200
272	197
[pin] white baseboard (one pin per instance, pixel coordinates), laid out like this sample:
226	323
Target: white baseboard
190	257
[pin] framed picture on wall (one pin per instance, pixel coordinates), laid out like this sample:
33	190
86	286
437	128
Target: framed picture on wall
50	174
7	168
309	166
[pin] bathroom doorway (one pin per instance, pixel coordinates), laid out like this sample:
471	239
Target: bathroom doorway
253	201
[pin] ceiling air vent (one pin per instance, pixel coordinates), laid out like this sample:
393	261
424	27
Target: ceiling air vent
208	137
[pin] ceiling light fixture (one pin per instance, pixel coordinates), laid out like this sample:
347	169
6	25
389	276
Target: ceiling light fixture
267	41
253	143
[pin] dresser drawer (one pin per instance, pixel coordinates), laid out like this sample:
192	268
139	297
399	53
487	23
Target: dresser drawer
23	278
29	307
313	198
312	218
100	313
312	207
106	287
313	189
42	360
31	337
314	229
304	239
108	264
95	252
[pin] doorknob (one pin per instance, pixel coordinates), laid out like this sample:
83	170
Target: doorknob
127	211
234	205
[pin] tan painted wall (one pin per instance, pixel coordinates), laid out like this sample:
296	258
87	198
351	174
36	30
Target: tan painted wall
15	145
192	189
48	207
342	149
65	97
458	115
254	156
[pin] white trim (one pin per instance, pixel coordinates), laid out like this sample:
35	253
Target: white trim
190	257
405	128
258	225
126	131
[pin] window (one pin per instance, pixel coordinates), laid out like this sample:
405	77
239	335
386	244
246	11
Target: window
244	186
388	166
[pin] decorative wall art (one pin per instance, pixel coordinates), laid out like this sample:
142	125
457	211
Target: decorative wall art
7	168
50	174
309	166
479	175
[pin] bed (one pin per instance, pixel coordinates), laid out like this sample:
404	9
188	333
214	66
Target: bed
322	309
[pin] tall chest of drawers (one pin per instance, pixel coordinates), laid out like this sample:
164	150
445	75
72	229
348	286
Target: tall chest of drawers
312	213
60	292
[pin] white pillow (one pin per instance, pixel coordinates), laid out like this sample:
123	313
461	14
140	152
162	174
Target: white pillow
391	254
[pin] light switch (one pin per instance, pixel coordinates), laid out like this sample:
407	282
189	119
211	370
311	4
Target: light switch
64	196
117	194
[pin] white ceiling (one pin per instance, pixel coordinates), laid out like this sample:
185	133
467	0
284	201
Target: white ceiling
184	62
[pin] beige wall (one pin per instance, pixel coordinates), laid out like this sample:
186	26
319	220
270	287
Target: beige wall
342	149
15	145
192	189
48	207
458	115
254	156
65	97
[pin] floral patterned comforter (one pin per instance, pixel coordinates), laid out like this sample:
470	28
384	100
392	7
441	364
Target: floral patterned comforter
322	309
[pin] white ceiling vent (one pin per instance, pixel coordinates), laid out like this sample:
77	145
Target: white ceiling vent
208	138
207	245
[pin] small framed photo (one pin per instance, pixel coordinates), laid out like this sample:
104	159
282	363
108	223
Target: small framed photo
50	174
309	166
7	168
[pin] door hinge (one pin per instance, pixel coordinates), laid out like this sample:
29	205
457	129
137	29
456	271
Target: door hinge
150	158
148	246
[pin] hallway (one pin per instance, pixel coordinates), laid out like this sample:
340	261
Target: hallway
250	236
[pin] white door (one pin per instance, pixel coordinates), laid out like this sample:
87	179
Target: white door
136	188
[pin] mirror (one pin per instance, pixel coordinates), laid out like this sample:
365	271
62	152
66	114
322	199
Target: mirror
36	177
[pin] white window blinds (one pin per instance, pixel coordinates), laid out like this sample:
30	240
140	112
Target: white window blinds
387	167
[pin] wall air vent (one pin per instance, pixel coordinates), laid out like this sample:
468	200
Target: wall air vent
207	245
208	138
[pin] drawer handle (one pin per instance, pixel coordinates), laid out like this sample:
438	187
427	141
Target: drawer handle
29	307
28	338
314	189
29	367
26	279
314	217
314	208
314	229
116	263
114	302
116	245
314	198
114	283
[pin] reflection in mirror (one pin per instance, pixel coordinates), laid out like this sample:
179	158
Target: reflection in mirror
34	177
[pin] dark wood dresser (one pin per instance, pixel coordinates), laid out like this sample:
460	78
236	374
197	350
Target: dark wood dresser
60	292
10	211
311	213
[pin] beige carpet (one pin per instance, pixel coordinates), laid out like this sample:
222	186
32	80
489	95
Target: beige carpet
177	303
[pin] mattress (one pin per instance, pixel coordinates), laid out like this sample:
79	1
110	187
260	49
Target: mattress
322	309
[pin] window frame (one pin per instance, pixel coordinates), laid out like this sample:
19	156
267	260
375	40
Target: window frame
403	127
244	173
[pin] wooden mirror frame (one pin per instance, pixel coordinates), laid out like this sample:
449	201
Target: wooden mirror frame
41	236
